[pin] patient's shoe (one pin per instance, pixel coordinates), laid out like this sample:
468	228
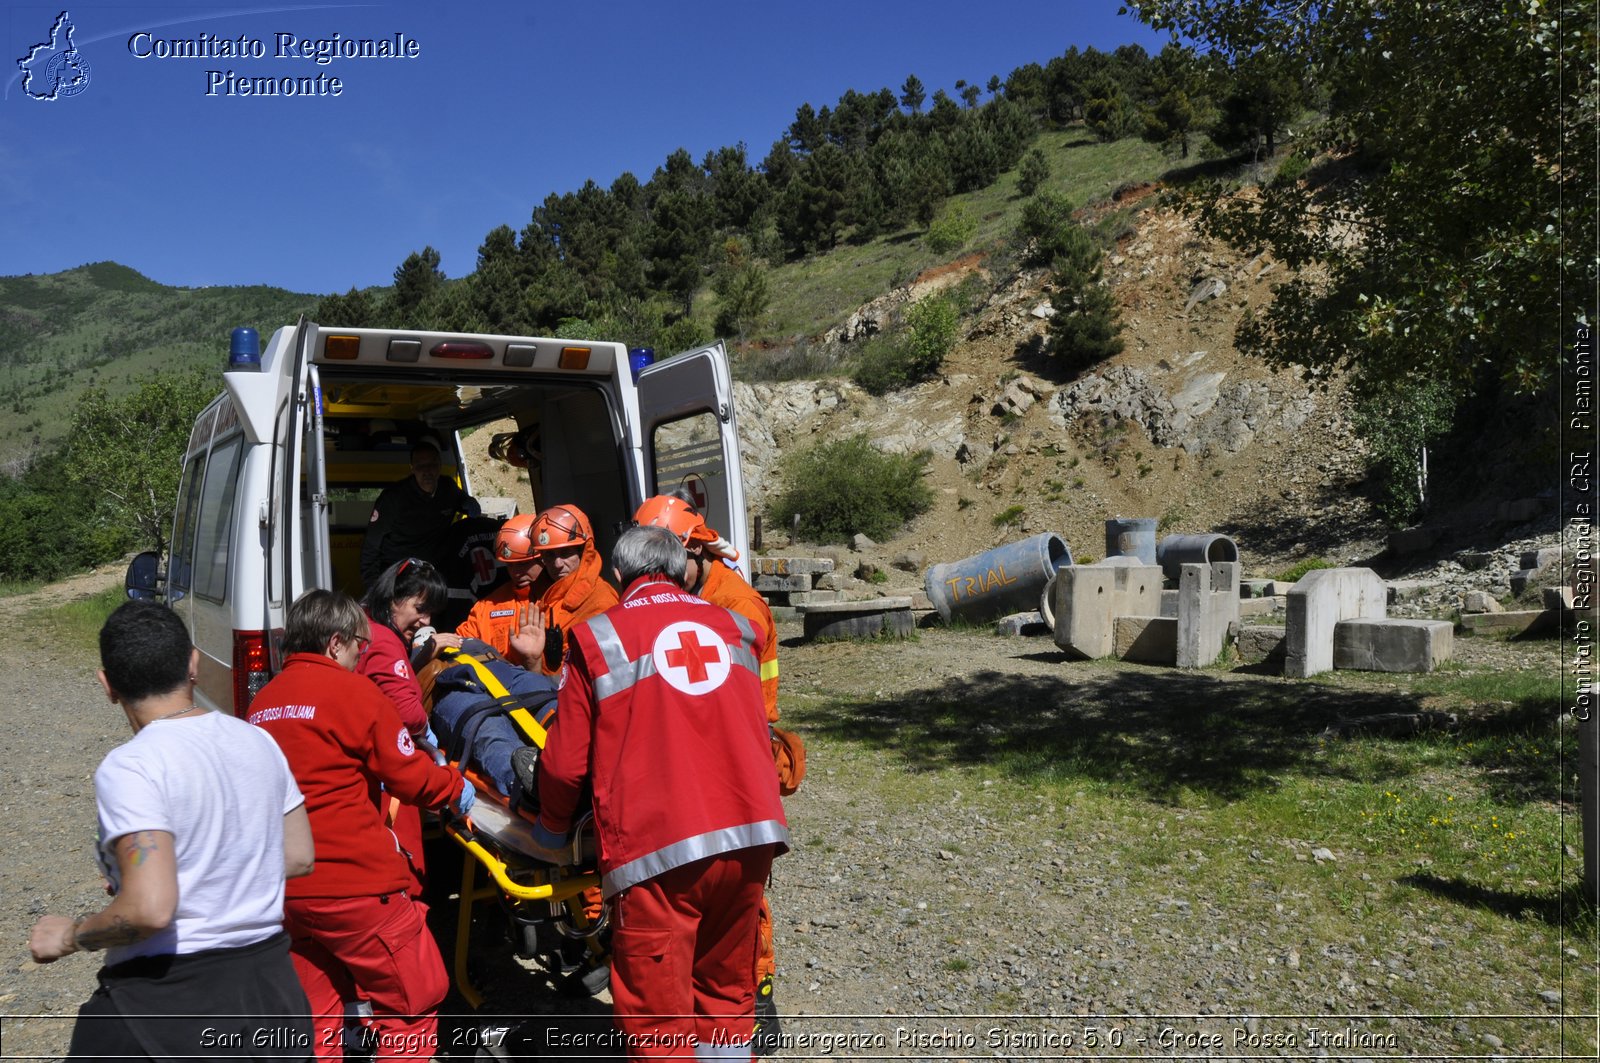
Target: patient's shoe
525	765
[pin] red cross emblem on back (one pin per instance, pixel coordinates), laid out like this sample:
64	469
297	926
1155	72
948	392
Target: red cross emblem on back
691	657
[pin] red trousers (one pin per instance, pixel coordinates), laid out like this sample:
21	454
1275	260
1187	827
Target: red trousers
376	949
682	956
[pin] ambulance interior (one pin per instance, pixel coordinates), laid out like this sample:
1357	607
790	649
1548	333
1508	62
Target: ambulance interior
370	426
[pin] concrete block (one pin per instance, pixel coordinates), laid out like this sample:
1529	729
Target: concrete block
790	566
1560	598
873	618
1521	578
1259	606
1028	624
1392	645
1473	560
1208	605
769	584
1088	598
1480	602
1320	600
815	597
1412	540
1169	604
1540	559
1262	644
1278	587
1147	639
1518	622
1255	588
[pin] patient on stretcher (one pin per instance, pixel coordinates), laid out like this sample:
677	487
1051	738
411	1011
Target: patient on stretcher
475	724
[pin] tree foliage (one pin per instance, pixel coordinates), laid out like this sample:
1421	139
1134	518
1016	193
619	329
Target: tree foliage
126	453
1034	171
1084	330
1446	227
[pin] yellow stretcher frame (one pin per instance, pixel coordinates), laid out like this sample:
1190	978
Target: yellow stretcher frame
533	881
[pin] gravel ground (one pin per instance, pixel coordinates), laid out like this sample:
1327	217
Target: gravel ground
972	921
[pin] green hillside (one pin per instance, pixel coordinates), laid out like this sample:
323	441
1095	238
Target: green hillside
107	324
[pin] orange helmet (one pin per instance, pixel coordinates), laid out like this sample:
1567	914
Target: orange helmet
514	541
560	528
679	518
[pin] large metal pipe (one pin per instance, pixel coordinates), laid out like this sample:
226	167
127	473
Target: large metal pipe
1175	551
1004	580
1132	537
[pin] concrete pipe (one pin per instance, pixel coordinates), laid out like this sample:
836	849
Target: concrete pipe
1004	580
1132	537
1176	551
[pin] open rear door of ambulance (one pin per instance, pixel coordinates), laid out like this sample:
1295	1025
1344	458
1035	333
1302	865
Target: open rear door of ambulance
690	438
297	527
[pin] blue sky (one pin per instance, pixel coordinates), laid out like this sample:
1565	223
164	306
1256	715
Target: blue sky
503	104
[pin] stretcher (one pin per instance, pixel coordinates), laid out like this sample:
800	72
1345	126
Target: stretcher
551	906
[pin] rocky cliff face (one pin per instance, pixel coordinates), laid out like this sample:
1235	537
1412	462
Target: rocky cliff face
1178	427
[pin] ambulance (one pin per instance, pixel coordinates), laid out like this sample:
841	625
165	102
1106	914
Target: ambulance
281	469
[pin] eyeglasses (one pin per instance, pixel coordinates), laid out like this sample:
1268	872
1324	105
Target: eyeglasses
361	642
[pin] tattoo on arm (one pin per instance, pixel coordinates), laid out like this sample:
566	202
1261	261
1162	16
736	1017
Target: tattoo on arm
139	845
120	932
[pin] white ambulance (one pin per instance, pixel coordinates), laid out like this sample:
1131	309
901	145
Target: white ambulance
282	469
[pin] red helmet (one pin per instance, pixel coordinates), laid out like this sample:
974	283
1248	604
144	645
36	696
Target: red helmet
679	518
560	528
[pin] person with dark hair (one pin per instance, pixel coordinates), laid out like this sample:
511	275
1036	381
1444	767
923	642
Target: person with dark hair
660	716
200	824
410	517
357	931
398	605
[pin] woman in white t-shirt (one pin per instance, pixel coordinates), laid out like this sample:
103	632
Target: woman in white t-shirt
200	823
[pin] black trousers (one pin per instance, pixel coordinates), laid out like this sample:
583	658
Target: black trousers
242	1003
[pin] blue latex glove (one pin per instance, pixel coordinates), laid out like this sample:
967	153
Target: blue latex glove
469	797
433	740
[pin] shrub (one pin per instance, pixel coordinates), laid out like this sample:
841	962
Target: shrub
1034	171
930	332
1045	221
1310	564
1008	515
1396	424
839	489
951	230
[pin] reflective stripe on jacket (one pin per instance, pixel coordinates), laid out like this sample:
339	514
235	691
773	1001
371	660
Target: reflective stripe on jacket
661	712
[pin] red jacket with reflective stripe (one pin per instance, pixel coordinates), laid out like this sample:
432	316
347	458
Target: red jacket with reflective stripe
343	739
661	712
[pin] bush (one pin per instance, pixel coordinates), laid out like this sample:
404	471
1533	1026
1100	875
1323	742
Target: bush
1310	564
1034	171
835	490
951	230
930	332
1042	229
1397	423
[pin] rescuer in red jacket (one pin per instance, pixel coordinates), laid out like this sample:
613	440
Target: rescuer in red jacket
355	932
661	715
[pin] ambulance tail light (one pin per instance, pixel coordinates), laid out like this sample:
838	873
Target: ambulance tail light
251	668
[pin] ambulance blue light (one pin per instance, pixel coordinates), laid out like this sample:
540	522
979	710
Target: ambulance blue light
244	351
